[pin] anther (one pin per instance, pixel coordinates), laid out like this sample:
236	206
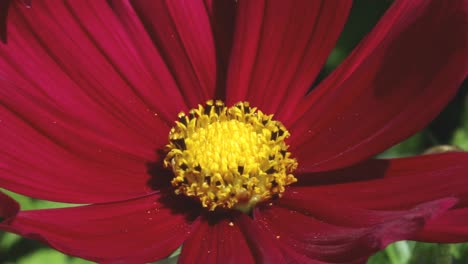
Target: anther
180	143
229	157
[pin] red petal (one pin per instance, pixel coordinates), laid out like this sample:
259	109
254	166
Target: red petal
52	165
137	231
182	32
279	48
151	76
73	118
451	227
396	183
216	242
239	240
106	63
222	17
393	85
8	208
264	248
336	233
4	5
128	47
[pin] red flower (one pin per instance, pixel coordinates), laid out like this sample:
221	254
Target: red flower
90	91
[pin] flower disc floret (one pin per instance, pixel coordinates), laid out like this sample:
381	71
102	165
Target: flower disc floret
229	157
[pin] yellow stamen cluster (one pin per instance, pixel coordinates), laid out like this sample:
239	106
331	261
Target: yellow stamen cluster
229	157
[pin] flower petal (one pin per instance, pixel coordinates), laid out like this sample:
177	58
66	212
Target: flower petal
106	63
391	86
216	242
151	76
337	233
140	230
222	17
279	48
51	166
128	48
4	5
8	208
72	117
263	247
451	227
394	184
266	246
182	32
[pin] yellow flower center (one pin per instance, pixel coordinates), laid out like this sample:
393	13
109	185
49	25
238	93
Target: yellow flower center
229	157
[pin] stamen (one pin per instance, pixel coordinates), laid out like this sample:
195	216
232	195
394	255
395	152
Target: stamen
229	157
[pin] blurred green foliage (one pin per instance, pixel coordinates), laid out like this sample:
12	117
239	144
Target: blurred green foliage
451	127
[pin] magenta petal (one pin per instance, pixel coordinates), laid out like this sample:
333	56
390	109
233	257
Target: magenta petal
8	208
391	86
4	5
222	17
128	48
235	240
77	170
77	73
264	248
72	116
90	59
451	227
265	244
182	32
279	48
332	233
140	230
149	72
394	184
217	242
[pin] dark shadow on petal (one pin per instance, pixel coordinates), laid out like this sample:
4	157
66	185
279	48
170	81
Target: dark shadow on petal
160	180
8	208
4	5
222	20
181	204
360	172
160	177
213	218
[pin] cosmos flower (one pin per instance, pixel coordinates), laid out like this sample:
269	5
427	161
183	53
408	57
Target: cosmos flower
191	122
